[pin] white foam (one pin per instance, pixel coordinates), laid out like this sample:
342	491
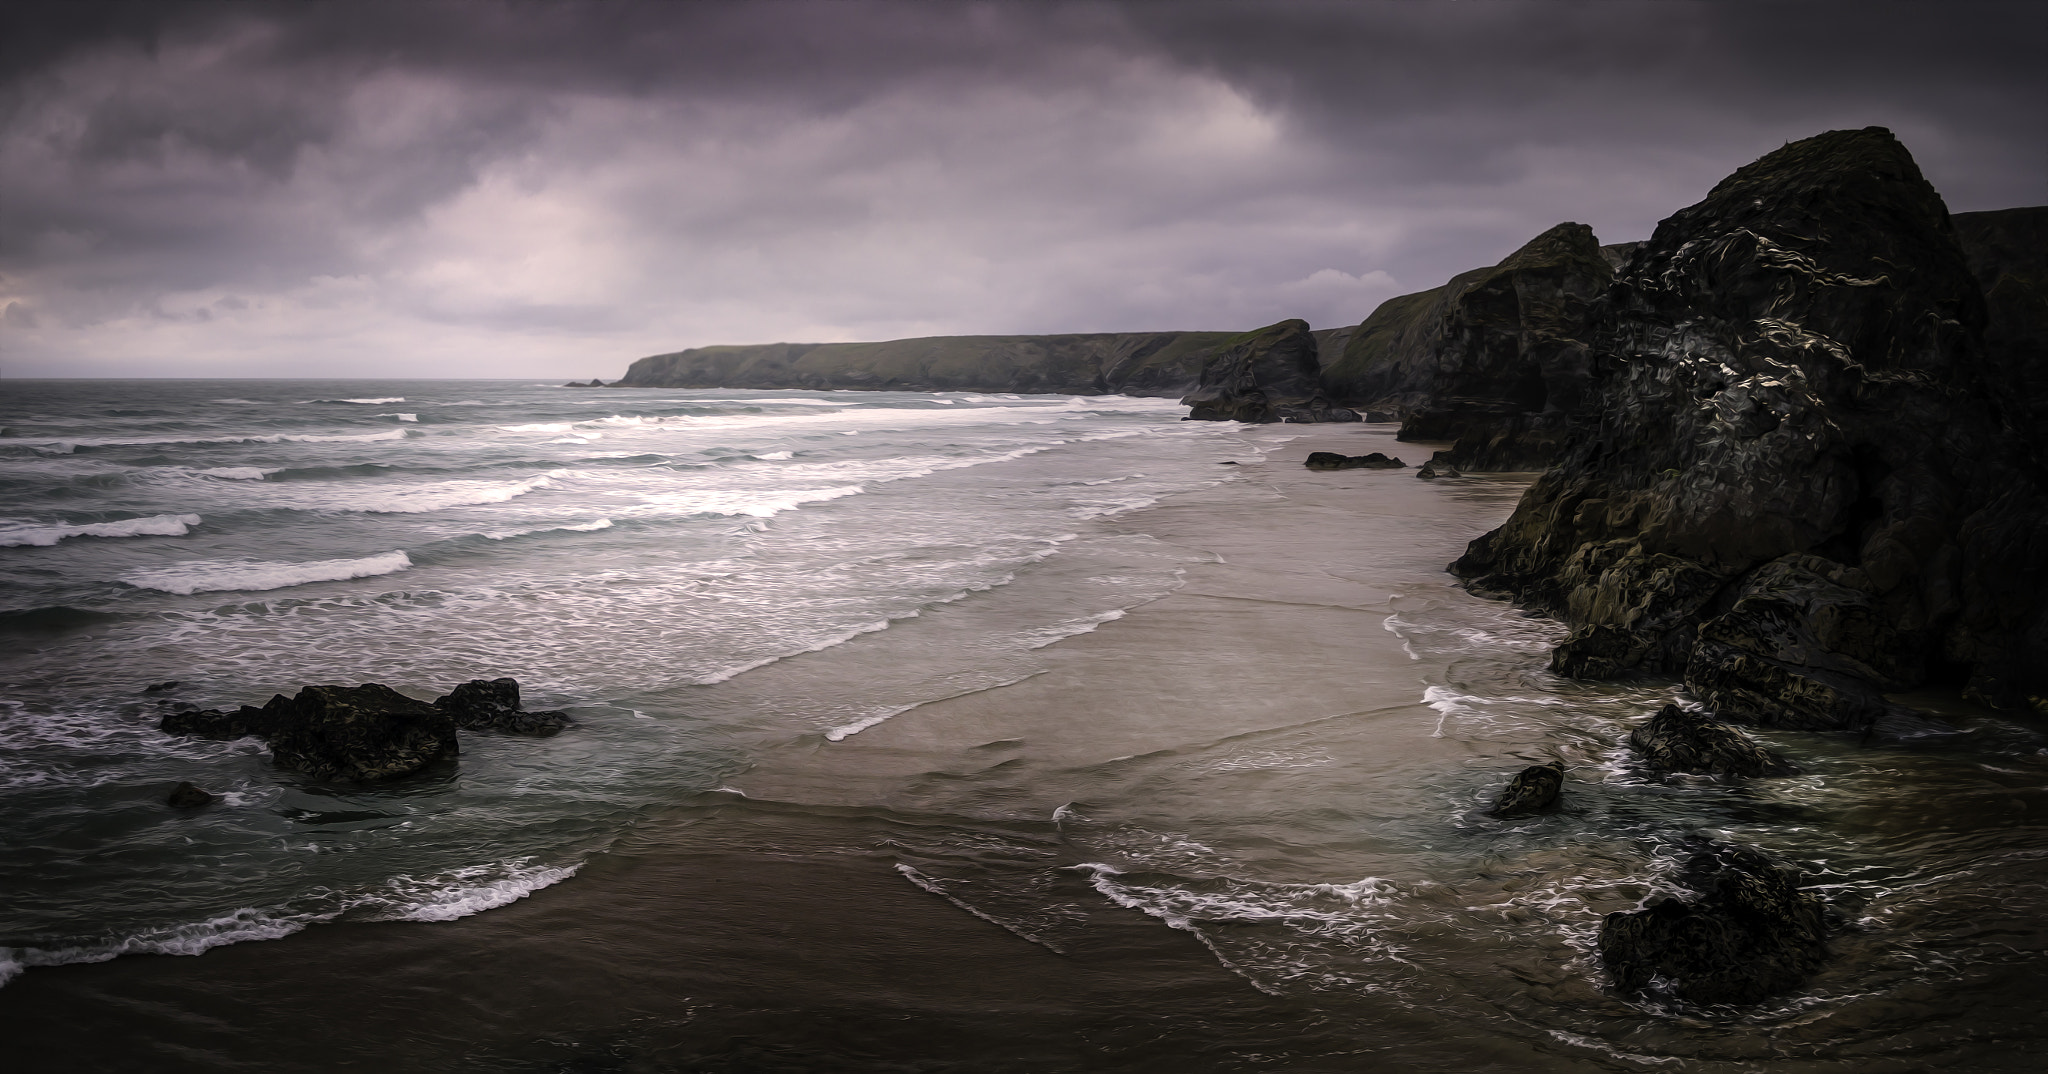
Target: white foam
841	639
401	417
463	892
775	455
237	473
440	495
249	576
752	502
363	402
16	533
65	447
585	527
933	886
539	427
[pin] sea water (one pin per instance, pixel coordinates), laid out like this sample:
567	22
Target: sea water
1006	732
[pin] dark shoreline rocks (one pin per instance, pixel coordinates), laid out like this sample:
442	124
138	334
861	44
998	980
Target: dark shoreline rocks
1679	740
1533	790
493	705
1746	934
369	732
1269	375
1330	460
1794	484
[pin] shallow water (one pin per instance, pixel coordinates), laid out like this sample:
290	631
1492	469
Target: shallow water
1003	734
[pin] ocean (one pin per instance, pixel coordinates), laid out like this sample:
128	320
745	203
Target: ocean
911	732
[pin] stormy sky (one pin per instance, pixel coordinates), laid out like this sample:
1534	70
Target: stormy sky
534	189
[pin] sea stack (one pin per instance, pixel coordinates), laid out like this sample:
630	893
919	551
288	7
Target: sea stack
1804	483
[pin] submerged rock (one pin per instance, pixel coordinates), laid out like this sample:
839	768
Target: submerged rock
1747	934
358	733
161	687
219	724
1533	790
1330	460
187	796
1676	740
493	705
1269	375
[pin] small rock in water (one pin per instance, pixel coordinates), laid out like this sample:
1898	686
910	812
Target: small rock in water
187	796
160	687
493	705
1750	933
357	733
1679	741
1533	790
1330	460
1437	468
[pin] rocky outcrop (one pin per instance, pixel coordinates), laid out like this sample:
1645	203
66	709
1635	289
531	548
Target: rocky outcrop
1533	790
1436	468
1269	375
355	733
1330	460
1679	740
358	733
1747	933
1798	491
1494	359
1161	364
493	705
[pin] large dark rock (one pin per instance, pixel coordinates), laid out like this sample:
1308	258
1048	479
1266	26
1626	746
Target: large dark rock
189	796
1533	790
1494	359
1793	367
493	705
1679	740
358	733
1747	934
1269	375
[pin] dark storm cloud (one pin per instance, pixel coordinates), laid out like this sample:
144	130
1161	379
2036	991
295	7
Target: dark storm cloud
459	185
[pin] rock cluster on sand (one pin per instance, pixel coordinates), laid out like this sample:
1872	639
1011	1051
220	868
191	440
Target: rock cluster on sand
1803	486
369	732
1330	460
1746	933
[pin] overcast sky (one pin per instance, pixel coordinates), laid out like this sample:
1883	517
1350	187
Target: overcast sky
553	189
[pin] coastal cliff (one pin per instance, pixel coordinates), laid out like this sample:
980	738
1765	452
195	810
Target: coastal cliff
1126	363
1805	479
1492	359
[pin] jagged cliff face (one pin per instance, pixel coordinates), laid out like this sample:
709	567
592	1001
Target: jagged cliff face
1273	374
2007	250
1132	363
1493	359
1796	487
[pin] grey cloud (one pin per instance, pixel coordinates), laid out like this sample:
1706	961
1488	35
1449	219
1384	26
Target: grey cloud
687	173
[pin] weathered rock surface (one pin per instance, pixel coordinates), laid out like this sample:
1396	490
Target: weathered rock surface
2007	251
1330	460
1269	375
1437	467
1748	934
1679	740
1792	371
1493	360
358	733
188	796
1131	363
1533	790
493	705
